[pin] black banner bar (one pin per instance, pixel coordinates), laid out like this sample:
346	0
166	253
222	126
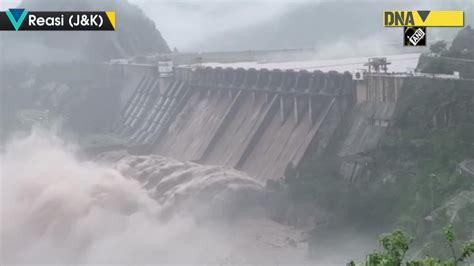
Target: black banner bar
61	21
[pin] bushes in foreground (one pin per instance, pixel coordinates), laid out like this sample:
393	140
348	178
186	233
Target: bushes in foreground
396	245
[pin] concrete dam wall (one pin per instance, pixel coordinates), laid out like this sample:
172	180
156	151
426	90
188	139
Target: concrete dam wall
373	113
254	121
260	121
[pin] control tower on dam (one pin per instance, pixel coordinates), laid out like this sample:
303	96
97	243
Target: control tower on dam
257	121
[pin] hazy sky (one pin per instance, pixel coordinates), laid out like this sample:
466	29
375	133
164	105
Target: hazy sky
184	23
187	23
4	4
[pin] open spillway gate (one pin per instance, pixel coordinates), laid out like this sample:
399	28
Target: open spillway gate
257	121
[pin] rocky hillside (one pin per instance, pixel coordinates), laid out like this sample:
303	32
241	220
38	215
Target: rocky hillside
56	73
136	34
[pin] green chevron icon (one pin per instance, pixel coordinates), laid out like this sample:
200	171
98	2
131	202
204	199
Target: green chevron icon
16	16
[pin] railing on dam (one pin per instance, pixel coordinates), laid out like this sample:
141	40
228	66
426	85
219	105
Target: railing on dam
289	82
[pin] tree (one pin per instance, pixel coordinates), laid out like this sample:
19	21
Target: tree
438	47
396	245
462	44
466	251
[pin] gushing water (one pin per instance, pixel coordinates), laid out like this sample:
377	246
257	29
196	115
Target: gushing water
56	208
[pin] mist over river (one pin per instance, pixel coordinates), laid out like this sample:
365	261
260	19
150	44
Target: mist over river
60	208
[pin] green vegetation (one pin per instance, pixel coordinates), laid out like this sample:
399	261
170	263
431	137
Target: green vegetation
459	57
438	47
396	244
411	181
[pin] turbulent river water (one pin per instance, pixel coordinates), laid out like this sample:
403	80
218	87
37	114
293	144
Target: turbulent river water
57	207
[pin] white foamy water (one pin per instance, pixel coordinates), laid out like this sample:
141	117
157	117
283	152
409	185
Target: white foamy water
123	209
399	63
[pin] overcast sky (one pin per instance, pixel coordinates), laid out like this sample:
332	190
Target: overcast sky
4	4
184	23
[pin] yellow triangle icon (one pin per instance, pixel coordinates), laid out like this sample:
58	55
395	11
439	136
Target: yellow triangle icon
111	16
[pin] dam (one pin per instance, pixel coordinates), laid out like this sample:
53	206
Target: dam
254	121
185	130
259	121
